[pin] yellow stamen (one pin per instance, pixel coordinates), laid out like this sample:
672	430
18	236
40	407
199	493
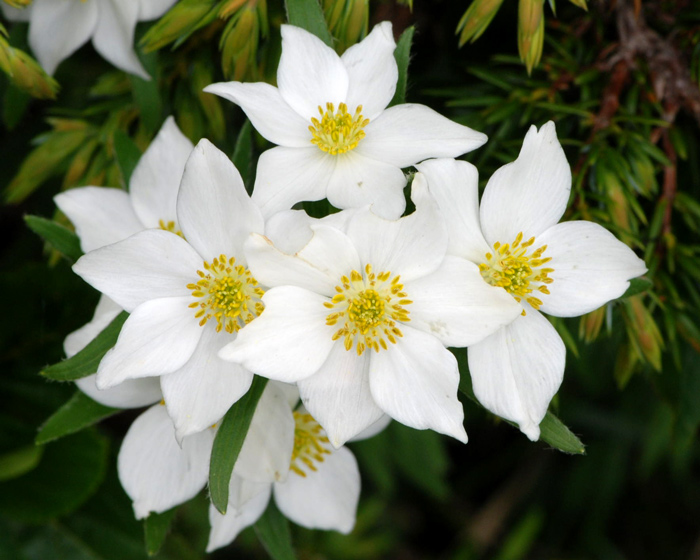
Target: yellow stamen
337	132
511	268
227	292
310	444
170	226
368	309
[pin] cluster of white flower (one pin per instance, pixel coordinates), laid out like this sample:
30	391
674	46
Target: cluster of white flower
352	313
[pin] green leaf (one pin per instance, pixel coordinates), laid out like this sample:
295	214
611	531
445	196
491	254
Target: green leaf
243	152
19	461
127	154
274	534
228	442
552	430
308	15
147	98
69	472
78	413
155	528
637	286
85	362
59	237
402	54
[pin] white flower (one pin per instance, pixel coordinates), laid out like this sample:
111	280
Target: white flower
335	136
318	487
157	471
102	216
360	319
564	270
186	299
57	28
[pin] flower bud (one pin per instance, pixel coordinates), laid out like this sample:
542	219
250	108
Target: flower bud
476	19
530	32
183	18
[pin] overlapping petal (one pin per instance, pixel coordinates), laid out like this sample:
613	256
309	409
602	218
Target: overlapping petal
517	370
297	317
150	264
455	305
154	470
326	498
101	216
338	395
114	34
406	134
591	267
415	382
213	208
530	194
199	393
156	178
159	337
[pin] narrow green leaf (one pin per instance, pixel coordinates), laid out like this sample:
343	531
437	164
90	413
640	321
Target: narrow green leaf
402	54
59	237
552	430
127	154
308	15
155	529
147	98
78	413
243	152
19	461
274	534
637	286
228	442
85	362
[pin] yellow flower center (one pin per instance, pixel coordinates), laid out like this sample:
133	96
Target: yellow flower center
368	308
170	226
338	132
309	442
227	292
520	273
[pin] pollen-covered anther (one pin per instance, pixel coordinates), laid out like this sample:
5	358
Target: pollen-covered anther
310	444
368	309
519	273
227	292
170	226
338	131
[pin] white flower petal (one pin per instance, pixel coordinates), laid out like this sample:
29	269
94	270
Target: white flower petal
133	393
157	338
213	208
358	181
286	176
412	246
199	393
415	382
310	73
271	116
374	429
150	264
372	71
591	267
267	449
455	305
530	194
290	230
16	14
156	179
455	187
152	9
105	312
318	266
406	134
225	528
338	395
114	34
325	499
517	370
154	471
289	340
101	215
60	27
